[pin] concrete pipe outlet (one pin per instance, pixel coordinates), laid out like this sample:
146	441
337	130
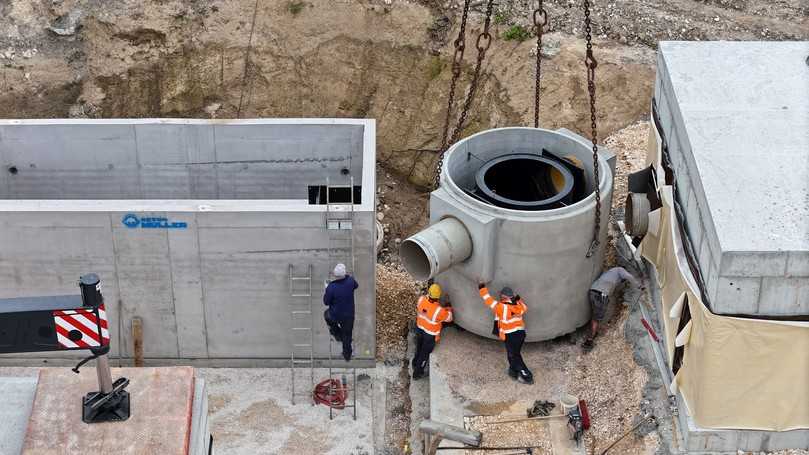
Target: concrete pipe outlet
516	207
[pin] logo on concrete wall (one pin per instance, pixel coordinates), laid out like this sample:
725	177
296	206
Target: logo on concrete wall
132	221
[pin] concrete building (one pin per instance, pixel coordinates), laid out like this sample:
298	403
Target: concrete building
739	148
729	153
194	226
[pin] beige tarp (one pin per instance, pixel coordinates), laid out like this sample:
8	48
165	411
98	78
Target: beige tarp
736	373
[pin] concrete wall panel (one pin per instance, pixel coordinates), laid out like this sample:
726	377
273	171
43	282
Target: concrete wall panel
144	274
737	295
214	290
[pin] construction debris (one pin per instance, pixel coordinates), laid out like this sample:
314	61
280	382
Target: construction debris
540	408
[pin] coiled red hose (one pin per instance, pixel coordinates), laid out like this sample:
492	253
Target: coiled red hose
332	393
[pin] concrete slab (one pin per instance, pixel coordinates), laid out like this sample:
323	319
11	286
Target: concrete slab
251	413
18	399
736	118
161	401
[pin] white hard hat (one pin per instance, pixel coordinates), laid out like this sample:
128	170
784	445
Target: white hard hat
340	271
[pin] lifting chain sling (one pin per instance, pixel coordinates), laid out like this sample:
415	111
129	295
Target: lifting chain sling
540	21
591	64
484	40
482	44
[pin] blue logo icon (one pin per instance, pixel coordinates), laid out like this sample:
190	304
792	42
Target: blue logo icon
132	221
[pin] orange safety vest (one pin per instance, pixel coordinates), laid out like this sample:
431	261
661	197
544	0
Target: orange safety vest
430	316
508	315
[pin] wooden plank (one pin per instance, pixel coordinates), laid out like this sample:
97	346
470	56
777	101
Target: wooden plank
137	337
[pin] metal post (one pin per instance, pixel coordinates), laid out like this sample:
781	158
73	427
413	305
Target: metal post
104	374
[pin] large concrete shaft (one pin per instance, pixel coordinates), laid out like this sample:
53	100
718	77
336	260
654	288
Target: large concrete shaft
436	249
541	254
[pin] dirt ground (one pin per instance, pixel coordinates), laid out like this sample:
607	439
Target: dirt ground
382	59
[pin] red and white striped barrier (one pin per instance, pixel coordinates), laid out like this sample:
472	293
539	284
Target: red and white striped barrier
82	328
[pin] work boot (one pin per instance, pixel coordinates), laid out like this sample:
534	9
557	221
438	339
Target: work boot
347	356
525	377
588	345
419	375
512	373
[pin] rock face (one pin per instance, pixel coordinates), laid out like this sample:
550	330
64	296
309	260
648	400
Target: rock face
129	58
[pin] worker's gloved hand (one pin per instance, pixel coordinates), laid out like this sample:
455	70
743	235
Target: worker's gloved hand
481	285
517	298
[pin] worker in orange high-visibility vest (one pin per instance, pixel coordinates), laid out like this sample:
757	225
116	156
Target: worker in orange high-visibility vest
430	318
508	314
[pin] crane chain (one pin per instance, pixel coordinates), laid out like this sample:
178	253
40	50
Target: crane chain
591	64
484	41
540	21
457	60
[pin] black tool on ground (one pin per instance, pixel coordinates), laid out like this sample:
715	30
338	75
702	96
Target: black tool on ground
540	408
575	425
69	323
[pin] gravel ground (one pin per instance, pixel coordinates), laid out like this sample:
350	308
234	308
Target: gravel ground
645	22
396	295
629	144
534	434
607	378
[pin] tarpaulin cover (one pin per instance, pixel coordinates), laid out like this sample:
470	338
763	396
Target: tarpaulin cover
736	373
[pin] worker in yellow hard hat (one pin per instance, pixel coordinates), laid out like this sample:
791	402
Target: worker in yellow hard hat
431	315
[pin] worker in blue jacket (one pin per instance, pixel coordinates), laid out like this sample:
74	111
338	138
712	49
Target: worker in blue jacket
339	297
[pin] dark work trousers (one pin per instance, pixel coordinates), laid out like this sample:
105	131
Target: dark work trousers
342	331
514	342
425	343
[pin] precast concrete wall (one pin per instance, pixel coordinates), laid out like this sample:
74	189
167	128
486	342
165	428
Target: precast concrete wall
175	159
209	278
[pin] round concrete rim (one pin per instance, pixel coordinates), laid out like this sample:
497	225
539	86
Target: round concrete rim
584	205
561	194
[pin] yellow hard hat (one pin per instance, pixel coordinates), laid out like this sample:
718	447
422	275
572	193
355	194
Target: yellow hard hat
434	291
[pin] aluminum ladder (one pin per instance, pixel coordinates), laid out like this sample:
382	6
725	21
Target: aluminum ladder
302	336
339	225
341	374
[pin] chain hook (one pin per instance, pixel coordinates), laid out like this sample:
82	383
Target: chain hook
488	38
540	17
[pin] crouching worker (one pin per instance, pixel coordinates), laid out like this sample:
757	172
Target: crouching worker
599	295
430	318
339	297
508	313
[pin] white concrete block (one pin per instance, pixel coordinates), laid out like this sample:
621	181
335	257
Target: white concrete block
798	264
736	295
771	263
784	296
